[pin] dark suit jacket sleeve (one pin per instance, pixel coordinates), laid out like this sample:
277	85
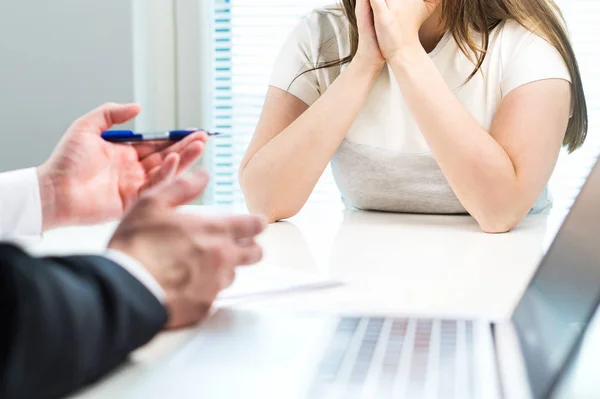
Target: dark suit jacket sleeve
65	322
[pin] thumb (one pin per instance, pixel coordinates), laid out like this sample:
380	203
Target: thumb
107	115
182	190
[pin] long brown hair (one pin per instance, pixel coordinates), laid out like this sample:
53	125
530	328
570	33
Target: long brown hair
465	19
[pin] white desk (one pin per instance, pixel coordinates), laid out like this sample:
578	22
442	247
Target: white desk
399	264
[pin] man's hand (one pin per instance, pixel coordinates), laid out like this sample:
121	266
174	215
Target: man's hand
88	180
192	257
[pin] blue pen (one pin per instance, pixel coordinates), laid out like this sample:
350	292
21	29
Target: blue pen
128	136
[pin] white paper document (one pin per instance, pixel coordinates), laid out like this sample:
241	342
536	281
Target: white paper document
261	281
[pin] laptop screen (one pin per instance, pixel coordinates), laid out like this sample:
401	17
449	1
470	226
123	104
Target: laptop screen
564	294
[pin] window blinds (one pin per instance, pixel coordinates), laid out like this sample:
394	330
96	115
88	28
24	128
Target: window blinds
247	36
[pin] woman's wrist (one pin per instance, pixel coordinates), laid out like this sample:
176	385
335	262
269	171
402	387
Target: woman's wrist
407	56
367	67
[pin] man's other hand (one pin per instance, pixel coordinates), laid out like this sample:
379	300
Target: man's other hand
192	257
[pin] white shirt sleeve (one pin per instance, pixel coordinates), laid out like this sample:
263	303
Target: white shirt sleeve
528	58
134	268
21	216
20	204
295	59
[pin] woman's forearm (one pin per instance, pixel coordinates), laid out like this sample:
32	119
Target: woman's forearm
479	170
280	176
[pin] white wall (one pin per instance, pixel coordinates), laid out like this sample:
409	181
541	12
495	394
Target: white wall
58	59
155	64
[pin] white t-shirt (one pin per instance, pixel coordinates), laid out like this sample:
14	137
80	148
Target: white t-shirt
385	128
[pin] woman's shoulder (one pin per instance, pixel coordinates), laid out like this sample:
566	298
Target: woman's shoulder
326	21
512	31
333	14
527	56
323	34
514	36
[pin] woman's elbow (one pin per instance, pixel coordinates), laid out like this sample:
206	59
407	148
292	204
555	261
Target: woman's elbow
270	209
499	223
499	227
259	202
272	213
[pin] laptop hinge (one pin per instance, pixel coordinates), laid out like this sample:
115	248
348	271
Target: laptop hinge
511	365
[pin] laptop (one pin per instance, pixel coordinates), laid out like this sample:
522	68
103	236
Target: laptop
271	355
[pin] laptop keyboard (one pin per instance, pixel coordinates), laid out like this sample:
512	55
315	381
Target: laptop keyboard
397	358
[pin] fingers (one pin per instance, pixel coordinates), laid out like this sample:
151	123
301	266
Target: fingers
235	227
363	11
182	190
233	239
363	7
163	173
226	254
153	154
379	6
110	114
245	226
213	266
229	255
189	156
229	240
146	149
174	164
248	253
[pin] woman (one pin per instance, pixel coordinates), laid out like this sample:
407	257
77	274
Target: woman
426	106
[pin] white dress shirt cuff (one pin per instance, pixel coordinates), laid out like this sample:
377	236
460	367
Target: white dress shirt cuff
136	269
20	204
